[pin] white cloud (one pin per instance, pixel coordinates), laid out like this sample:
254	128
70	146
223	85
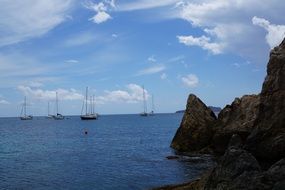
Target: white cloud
237	65
35	84
5	102
114	35
133	94
275	33
100	17
203	42
151	59
21	20
227	25
37	93
163	76
151	70
101	9
190	80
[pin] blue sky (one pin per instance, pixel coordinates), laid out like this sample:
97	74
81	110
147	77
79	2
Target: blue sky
217	50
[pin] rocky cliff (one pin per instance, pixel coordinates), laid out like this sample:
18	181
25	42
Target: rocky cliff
250	133
237	118
267	141
195	132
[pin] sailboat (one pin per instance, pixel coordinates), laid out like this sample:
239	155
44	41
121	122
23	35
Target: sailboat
58	116
49	116
24	108
152	107
91	115
144	113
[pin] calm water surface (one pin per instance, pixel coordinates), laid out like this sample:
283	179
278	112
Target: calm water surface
119	152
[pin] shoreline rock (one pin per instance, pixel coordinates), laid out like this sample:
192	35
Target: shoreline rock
195	131
249	134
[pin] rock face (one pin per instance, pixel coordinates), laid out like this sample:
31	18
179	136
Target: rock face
233	164
196	129
251	132
237	118
267	141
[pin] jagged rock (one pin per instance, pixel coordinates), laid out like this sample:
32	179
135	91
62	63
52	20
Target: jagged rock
195	131
267	140
263	117
237	118
234	163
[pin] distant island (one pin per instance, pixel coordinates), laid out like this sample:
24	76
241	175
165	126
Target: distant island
213	108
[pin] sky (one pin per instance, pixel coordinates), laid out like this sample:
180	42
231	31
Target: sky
217	50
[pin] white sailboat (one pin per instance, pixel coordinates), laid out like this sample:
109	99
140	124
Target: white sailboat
49	116
24	115
89	115
144	113
58	116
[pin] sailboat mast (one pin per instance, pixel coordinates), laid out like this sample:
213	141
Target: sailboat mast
86	96
152	104
144	103
25	105
48	108
56	104
93	105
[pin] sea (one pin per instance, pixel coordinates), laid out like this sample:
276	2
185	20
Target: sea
118	152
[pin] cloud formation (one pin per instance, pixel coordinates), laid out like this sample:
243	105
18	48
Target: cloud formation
101	9
203	42
37	93
190	80
5	102
275	33
22	20
151	70
227	25
132	94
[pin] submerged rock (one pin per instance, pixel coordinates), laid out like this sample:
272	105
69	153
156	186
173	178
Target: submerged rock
196	129
172	157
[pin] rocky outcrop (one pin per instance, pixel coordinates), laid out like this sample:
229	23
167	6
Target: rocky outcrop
267	141
251	132
237	169
237	118
196	129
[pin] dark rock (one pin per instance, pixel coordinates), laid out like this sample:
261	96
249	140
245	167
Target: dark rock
255	156
235	141
233	164
267	140
195	131
237	118
172	157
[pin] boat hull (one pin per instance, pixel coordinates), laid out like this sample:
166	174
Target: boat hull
26	118
143	114
88	117
58	117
